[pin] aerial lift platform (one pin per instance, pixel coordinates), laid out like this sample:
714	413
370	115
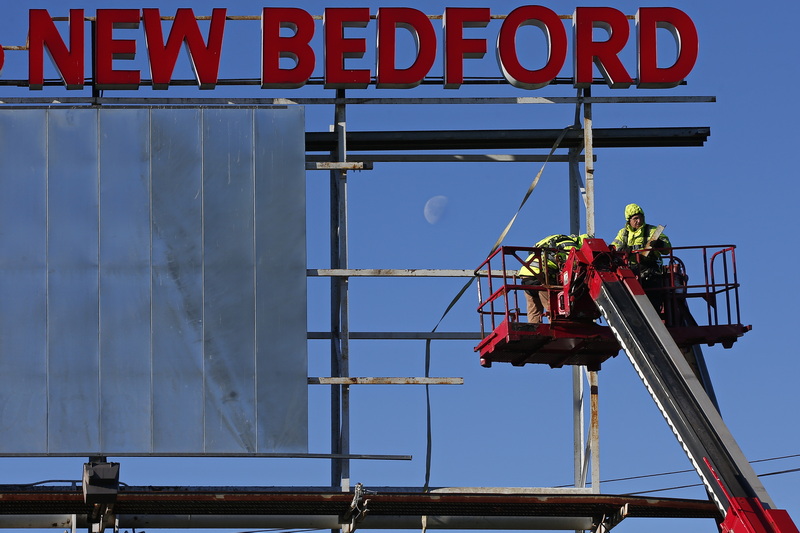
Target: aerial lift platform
574	335
658	334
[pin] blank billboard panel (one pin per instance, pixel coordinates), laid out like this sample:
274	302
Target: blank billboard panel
152	282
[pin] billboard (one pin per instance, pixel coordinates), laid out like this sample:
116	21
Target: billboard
152	281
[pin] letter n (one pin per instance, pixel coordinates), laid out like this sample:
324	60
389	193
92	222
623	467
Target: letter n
42	34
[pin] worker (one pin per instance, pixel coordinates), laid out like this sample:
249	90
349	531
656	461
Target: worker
637	235
642	242
553	250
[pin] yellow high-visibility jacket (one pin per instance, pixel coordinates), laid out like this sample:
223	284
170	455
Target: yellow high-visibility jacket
629	239
556	247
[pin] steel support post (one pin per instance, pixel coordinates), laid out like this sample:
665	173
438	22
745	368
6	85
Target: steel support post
574	191
578	410
588	163
588	166
340	394
594	430
578	422
575	178
578	425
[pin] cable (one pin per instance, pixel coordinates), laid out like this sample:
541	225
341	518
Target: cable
661	490
776	458
700	484
780	472
428	451
692	470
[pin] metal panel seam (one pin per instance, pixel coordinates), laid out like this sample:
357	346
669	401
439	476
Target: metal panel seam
101	444
201	133
255	277
46	273
150	262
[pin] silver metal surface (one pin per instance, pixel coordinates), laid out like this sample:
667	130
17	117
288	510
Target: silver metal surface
124	279
146	303
23	281
281	344
228	282
72	292
177	271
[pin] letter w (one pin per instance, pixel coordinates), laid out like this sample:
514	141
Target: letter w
205	58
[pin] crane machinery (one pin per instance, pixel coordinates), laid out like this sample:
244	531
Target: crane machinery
598	306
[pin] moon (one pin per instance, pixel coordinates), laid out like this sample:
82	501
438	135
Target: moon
435	209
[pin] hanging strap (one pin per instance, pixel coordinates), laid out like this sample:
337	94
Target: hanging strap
464	289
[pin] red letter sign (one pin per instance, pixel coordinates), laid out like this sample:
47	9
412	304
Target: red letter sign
550	23
107	49
389	19
296	47
42	33
337	48
648	20
604	53
456	47
205	58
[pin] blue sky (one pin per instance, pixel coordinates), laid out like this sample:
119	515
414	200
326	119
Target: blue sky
509	426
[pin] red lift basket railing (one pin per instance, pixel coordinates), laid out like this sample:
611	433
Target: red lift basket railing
577	336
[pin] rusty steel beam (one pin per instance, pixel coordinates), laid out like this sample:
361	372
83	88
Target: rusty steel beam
27	500
384	381
334	165
403	335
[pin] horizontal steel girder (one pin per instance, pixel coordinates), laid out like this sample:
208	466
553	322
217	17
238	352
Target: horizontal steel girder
504	139
309	501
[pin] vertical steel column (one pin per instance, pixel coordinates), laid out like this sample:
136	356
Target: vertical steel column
578	425
574	191
579	440
588	154
575	177
340	327
594	430
588	162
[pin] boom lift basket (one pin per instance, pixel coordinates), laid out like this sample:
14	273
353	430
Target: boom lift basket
574	333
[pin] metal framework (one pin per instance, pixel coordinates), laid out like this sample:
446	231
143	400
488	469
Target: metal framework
580	143
336	506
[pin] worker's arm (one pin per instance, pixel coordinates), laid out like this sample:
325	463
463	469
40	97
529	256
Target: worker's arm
620	242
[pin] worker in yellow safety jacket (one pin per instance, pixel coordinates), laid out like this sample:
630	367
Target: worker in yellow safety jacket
637	235
553	251
647	265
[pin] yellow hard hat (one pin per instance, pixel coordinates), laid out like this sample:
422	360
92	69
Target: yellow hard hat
632	210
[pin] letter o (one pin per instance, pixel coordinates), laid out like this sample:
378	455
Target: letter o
550	23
